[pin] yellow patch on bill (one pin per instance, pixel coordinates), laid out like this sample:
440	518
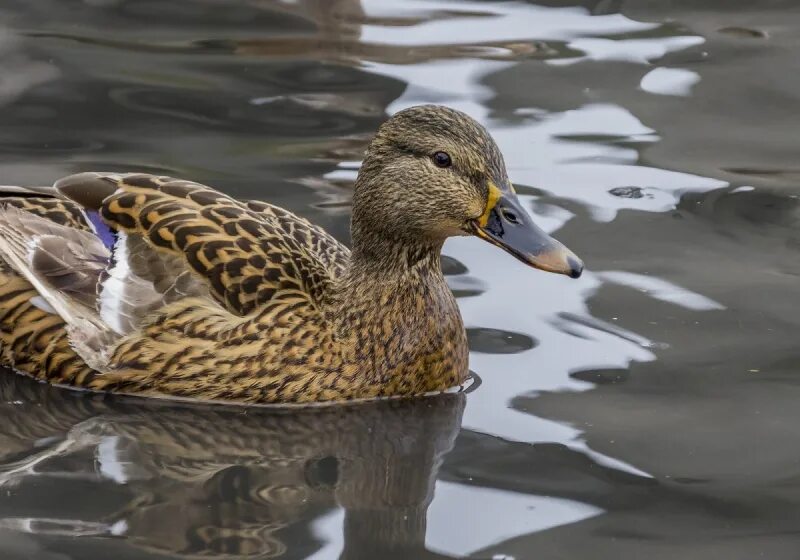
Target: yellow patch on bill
491	202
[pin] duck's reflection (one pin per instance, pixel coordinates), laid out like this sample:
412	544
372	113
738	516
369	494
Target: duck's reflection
211	482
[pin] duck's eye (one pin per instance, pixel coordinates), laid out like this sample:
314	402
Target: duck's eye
442	159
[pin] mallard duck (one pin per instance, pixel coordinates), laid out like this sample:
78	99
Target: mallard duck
157	286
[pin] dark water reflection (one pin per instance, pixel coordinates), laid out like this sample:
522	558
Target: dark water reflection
219	482
646	410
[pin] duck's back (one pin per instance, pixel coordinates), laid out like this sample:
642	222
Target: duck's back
105	278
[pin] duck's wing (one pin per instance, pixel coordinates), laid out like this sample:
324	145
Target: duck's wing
318	242
245	256
105	251
63	248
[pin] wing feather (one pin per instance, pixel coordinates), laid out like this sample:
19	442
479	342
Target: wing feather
246	253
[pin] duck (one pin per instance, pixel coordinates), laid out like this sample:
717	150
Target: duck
162	287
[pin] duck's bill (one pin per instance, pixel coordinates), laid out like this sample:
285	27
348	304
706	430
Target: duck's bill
509	226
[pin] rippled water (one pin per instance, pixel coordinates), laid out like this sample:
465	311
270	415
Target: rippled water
648	410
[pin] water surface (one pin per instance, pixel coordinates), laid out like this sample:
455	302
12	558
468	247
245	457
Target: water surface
645	410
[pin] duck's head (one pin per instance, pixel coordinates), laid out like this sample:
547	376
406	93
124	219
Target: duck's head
433	172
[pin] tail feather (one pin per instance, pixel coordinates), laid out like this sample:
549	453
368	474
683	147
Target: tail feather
66	268
42	252
15	191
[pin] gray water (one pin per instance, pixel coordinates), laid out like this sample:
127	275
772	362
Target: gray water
647	410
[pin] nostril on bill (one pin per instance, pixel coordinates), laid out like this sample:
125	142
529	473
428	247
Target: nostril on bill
510	216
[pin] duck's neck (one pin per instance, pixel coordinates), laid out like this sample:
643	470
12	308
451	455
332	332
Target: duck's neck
394	257
390	278
398	318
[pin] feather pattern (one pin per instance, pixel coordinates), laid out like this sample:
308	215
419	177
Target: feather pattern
139	280
247	257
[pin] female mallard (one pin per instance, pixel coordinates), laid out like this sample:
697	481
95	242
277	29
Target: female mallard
156	286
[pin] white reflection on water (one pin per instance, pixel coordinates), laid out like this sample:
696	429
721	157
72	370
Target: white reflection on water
628	50
669	81
328	529
501	516
491	515
490	22
661	290
556	155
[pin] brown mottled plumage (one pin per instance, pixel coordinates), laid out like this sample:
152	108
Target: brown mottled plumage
207	297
